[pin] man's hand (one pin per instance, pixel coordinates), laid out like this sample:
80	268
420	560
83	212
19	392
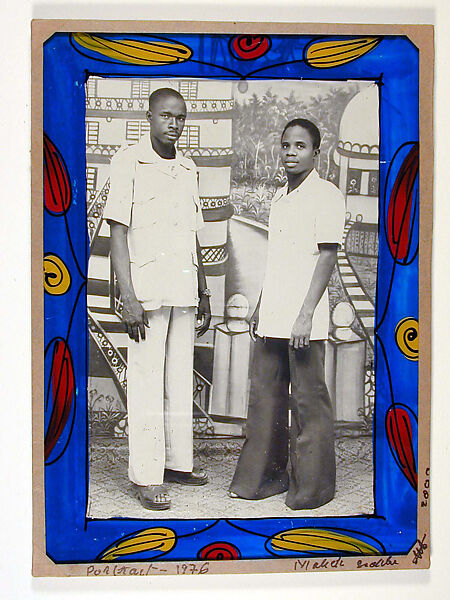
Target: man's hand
254	322
301	331
135	319
203	315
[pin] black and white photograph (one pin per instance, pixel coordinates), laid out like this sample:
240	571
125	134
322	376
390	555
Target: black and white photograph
233	231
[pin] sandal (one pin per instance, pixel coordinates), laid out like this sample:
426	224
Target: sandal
185	478
233	494
154	497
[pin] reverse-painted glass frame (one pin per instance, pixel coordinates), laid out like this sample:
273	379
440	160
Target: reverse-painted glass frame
396	535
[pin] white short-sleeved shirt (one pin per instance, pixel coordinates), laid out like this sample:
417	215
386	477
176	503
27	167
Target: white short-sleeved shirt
312	214
157	199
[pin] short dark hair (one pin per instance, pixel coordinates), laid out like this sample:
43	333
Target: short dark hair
309	126
163	93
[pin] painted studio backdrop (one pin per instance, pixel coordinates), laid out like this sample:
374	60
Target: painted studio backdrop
233	135
240	91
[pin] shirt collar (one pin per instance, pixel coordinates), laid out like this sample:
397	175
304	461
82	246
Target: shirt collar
146	154
312	177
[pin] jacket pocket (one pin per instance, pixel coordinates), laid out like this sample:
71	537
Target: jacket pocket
144	260
145	274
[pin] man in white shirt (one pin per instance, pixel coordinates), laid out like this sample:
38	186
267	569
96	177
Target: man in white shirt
154	212
290	326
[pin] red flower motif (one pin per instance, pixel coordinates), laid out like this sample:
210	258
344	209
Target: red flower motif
400	438
400	203
219	551
57	189
249	47
63	384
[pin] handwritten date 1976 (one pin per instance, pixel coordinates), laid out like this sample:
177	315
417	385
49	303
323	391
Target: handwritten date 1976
148	569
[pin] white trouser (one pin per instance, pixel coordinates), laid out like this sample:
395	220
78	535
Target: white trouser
160	396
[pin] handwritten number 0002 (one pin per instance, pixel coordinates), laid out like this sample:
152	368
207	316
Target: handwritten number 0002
425	491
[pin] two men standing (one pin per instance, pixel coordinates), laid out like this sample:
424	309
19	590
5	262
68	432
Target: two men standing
154	213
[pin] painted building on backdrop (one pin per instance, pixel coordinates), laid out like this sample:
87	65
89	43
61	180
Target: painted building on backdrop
237	177
116	116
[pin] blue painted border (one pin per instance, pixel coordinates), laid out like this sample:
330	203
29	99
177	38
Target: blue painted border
70	536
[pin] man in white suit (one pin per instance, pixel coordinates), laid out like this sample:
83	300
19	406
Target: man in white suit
154	212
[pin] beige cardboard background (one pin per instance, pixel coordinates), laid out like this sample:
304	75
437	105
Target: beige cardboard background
422	37
15	551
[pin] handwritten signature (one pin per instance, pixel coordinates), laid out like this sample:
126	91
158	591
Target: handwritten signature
419	548
327	564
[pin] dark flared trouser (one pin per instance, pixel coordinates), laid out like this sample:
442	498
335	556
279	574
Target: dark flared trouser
262	468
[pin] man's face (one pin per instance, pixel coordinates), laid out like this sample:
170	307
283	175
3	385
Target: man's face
167	119
297	151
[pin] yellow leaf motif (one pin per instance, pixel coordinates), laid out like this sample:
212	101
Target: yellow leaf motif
333	53
135	52
316	540
155	539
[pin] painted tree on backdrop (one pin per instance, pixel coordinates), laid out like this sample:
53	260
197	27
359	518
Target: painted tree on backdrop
259	121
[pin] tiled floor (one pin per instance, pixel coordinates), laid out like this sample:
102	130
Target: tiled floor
112	495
